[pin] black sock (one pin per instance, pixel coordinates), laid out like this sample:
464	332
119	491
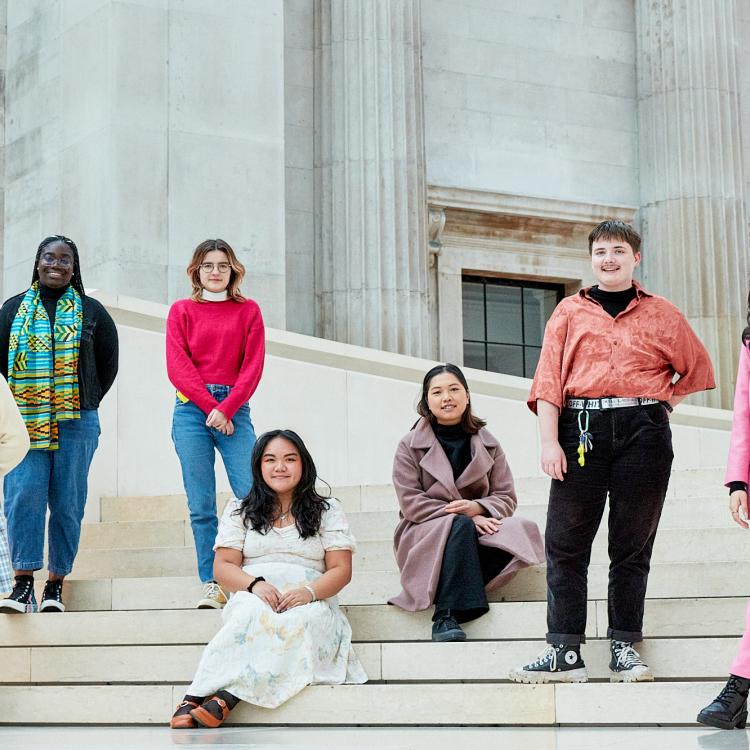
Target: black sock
194	699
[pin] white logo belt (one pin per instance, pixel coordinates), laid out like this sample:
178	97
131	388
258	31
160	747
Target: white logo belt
608	403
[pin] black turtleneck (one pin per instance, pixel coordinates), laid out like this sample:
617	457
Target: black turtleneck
456	443
49	299
613	302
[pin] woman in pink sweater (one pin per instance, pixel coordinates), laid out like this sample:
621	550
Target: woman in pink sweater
215	355
729	708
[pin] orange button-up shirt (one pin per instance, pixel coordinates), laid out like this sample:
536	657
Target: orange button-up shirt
587	352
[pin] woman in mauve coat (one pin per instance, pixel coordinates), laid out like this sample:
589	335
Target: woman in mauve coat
729	709
457	537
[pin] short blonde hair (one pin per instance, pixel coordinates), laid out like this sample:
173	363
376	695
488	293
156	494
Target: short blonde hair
235	277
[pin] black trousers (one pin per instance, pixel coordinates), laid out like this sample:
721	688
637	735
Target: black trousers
631	461
467	567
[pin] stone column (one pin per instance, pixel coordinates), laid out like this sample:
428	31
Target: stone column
371	250
693	213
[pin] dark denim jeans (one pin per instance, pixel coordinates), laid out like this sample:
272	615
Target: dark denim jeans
196	447
57	480
631	461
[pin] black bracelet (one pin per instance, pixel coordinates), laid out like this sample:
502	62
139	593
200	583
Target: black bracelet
257	580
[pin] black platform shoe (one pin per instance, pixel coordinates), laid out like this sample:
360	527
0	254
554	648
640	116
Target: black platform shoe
729	708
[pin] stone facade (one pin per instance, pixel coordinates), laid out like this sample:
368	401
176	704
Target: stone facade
135	129
363	156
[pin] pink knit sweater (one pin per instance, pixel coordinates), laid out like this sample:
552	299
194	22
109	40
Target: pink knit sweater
221	343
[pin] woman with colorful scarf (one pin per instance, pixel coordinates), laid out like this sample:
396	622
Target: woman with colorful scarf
58	352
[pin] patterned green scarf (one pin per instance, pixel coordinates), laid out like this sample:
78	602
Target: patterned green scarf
46	391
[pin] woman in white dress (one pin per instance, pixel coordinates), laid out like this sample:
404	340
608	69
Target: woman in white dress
285	552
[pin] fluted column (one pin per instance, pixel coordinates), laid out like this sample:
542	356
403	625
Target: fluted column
693	213
371	249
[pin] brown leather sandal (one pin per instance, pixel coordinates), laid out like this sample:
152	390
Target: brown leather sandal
181	718
205	718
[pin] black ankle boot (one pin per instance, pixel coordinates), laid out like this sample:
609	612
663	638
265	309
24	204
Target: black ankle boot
445	627
729	708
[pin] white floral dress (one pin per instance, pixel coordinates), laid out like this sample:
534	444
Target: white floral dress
264	657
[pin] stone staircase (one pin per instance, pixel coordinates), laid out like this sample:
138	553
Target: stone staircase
131	639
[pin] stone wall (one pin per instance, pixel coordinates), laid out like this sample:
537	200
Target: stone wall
532	98
299	80
140	129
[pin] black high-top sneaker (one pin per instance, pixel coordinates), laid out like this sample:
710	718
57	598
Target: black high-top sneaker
52	597
626	664
558	662
729	709
21	599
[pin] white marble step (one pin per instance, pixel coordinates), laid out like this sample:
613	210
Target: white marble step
667	581
705	483
380	704
692	513
672	546
664	618
400	662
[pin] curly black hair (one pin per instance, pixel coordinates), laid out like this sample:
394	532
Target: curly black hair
76	281
260	508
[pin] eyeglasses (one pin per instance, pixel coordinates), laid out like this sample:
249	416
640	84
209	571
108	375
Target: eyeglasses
209	267
48	259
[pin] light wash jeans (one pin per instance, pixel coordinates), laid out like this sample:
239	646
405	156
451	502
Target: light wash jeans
196	447
57	480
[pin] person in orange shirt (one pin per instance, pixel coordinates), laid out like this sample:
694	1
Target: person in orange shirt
603	391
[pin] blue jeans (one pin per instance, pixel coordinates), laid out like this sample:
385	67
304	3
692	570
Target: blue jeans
196	447
57	480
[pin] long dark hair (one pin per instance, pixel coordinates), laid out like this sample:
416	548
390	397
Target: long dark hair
76	281
746	332
469	421
260	508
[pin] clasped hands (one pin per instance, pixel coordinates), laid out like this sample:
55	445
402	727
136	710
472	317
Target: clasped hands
279	602
217	420
474	510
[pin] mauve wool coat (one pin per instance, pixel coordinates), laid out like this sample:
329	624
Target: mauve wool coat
423	478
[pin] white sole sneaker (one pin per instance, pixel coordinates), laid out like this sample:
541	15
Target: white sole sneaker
209	604
12	607
637	674
535	678
51	605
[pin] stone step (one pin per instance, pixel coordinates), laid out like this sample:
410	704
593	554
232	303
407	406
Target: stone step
400	662
135	534
667	581
692	513
707	483
664	618
672	546
380	704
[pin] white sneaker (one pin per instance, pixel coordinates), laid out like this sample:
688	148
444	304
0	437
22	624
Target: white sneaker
212	597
